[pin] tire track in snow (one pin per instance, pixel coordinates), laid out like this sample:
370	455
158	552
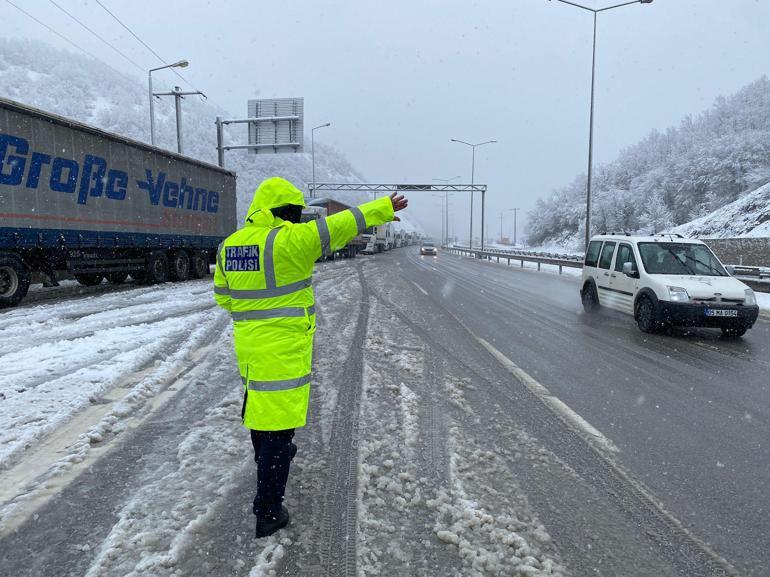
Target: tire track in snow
132	511
23	329
420	462
56	460
42	396
338	553
403	455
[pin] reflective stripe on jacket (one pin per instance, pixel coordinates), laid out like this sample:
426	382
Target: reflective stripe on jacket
263	277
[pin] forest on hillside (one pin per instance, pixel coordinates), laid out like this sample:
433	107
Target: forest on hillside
671	177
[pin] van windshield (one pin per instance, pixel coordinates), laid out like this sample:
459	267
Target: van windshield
680	259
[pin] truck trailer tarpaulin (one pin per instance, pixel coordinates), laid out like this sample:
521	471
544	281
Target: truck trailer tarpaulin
96	204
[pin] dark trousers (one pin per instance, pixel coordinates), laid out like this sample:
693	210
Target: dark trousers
273	452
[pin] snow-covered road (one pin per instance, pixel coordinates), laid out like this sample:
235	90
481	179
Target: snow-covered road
122	451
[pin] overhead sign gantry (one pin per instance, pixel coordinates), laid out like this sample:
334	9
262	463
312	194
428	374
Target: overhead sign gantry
376	188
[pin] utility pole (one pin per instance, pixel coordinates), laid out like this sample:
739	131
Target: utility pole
178	95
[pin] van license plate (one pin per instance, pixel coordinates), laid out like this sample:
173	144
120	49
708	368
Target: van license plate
721	313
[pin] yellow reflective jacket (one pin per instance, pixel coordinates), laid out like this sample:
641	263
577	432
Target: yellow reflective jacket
263	278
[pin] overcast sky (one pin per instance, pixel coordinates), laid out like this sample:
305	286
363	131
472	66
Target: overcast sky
397	79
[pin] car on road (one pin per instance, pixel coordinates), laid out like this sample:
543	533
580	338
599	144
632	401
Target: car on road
428	249
665	280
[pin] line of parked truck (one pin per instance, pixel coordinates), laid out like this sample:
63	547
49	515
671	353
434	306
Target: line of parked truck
373	240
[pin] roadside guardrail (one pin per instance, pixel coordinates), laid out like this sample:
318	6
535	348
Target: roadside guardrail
761	272
569	261
757	278
759	285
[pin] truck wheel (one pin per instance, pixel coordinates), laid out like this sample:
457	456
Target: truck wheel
734	332
157	267
180	266
589	298
14	280
199	265
117	277
89	279
646	316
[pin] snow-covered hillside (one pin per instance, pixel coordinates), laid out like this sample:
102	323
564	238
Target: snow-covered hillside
78	87
669	178
747	216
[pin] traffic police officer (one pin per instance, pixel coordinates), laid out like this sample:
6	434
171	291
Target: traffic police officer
263	278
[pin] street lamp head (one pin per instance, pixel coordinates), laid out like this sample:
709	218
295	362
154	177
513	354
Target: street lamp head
180	64
645	1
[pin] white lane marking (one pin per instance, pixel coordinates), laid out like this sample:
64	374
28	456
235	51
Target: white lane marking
422	290
601	441
553	402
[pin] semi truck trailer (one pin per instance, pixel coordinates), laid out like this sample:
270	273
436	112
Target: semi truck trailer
98	205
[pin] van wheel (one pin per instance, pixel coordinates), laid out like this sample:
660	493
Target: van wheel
199	265
14	280
89	279
734	332
646	316
180	266
117	277
157	267
590	299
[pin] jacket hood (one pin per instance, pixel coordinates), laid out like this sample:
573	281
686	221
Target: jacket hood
275	192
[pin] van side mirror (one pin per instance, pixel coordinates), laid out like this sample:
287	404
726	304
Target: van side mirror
629	270
730	270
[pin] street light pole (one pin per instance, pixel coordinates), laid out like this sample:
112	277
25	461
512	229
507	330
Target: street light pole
595	12
473	172
446	207
589	180
312	153
179	64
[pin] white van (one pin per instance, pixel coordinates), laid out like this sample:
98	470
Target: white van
665	280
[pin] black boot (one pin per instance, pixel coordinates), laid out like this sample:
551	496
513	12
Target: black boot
269	524
273	452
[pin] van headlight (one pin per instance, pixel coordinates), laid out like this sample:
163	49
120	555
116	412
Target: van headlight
677	294
751	298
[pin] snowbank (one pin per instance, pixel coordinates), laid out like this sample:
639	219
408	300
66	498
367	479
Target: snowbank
748	216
